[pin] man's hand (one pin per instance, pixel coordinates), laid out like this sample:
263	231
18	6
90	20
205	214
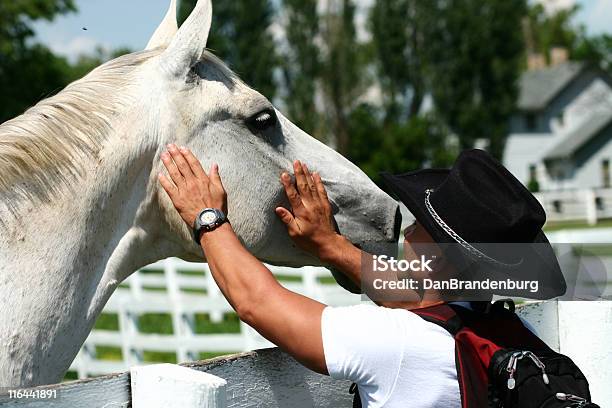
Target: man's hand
191	189
311	223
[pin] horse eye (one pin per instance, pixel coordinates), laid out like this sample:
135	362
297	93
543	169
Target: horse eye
263	120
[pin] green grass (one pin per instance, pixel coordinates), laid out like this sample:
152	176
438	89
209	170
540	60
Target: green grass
229	324
158	323
194	291
159	357
326	280
107	321
594	250
109	353
557	226
288	278
152	271
155	289
208	355
192	273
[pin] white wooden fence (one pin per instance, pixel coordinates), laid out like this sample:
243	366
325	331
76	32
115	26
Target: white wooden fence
168	287
588	205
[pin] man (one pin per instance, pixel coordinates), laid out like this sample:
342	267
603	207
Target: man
394	356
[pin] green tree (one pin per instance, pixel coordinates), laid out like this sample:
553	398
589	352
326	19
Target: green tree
474	57
397	37
378	145
302	63
343	68
544	31
595	50
241	36
28	71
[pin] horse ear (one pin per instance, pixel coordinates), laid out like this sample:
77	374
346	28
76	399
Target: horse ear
166	30
189	43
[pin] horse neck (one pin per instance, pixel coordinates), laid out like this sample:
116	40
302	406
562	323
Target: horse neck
61	261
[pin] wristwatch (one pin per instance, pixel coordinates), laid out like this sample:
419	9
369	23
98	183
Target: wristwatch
207	220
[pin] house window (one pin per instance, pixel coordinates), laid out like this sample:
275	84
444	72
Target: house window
530	121
605	173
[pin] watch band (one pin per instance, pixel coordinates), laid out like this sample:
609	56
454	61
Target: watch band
199	227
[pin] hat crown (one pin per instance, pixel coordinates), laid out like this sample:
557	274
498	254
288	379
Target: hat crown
483	202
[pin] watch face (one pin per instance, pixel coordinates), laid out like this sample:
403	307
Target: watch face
208	217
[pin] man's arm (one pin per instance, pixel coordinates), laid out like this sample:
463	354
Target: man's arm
287	319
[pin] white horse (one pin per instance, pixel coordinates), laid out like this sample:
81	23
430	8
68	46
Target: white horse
80	207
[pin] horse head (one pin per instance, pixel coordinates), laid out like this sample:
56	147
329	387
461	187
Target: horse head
222	120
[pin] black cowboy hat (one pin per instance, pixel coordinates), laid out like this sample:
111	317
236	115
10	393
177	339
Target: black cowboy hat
482	211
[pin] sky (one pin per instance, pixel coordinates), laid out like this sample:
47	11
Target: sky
119	23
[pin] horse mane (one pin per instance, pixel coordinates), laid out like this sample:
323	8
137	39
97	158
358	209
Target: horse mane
38	150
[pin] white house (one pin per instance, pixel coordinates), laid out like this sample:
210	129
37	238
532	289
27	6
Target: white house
561	135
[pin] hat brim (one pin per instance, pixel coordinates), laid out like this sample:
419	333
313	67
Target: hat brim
539	261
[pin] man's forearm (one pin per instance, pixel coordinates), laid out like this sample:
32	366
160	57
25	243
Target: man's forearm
287	319
344	256
239	275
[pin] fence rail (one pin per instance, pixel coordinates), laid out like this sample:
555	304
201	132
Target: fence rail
588	205
182	291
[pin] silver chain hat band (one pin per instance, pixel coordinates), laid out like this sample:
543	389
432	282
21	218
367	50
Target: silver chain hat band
471	249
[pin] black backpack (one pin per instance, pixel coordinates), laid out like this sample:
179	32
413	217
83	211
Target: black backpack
502	364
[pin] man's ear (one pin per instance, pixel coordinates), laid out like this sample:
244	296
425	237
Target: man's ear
189	43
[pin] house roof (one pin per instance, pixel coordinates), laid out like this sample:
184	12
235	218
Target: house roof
578	137
539	87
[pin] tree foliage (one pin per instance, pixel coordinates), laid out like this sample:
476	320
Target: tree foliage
595	50
28	71
343	70
474	56
366	97
241	36
377	145
302	63
398	41
545	31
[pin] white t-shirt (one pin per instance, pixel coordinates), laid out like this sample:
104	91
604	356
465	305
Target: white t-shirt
398	359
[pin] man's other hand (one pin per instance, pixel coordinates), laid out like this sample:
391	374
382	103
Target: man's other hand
310	222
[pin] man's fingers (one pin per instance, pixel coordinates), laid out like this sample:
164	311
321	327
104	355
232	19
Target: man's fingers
301	182
167	185
174	172
322	192
288	219
285	215
214	176
310	181
294	198
180	161
194	164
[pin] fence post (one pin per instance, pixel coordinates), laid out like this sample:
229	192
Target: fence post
566	325
591	206
173	386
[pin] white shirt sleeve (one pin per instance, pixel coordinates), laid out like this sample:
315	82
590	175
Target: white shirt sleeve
364	344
